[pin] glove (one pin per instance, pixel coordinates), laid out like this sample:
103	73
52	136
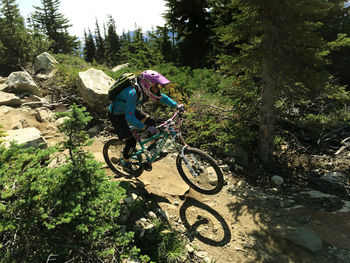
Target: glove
180	107
152	130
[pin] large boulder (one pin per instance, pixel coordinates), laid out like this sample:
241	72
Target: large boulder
29	137
20	82
44	62
119	67
9	99
93	86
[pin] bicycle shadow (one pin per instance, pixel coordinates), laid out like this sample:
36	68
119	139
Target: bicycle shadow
193	231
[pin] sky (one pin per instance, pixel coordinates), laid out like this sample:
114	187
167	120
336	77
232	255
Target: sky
82	14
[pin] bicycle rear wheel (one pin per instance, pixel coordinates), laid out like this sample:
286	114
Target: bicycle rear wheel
113	155
200	171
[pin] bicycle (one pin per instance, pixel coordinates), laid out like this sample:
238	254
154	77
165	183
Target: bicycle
197	168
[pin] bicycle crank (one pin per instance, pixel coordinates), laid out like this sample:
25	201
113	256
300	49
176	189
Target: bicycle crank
147	166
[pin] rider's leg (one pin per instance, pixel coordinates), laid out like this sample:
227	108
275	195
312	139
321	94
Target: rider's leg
130	144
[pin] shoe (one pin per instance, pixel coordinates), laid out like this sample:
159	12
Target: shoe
127	167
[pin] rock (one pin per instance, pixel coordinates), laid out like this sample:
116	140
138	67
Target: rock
201	254
335	178
45	114
119	67
277	180
327	215
3	87
21	81
163	213
44	62
29	137
131	260
131	199
93	131
59	122
152	215
93	86
225	168
241	183
302	236
9	99
2	80
189	248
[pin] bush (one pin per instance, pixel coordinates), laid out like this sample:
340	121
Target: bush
66	213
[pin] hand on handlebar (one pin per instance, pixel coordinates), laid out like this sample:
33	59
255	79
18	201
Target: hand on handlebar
180	107
152	130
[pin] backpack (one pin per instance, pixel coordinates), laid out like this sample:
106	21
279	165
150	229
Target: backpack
123	82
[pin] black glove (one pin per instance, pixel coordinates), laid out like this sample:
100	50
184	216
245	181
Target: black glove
180	107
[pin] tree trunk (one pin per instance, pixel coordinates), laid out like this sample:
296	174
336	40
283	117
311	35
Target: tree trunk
266	114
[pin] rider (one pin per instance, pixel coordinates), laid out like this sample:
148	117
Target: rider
123	109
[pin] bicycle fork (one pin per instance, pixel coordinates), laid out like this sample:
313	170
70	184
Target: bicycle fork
189	166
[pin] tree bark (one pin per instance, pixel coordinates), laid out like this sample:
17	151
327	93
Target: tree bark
266	114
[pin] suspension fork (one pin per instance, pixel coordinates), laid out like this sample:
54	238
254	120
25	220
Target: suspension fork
189	166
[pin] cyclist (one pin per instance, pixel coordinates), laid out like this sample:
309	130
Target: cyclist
123	110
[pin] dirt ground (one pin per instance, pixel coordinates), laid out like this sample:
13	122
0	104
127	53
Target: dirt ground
235	225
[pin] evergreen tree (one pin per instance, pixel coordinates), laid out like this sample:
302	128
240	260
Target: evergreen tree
53	24
337	23
125	42
100	54
192	22
15	42
112	42
163	43
280	48
89	47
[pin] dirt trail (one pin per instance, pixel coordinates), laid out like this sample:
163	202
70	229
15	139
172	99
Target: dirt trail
235	225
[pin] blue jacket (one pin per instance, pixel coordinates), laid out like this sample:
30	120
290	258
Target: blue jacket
126	102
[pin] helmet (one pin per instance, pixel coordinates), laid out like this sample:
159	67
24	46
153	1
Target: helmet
151	82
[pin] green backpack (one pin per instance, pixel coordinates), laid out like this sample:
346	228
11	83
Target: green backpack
123	82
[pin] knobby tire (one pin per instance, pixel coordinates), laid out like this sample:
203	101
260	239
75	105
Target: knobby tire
210	180
114	148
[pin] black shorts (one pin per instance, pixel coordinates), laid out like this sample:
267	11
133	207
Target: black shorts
121	126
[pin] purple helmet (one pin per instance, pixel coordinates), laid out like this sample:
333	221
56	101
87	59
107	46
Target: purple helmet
151	82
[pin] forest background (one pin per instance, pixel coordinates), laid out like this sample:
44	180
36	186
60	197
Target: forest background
261	61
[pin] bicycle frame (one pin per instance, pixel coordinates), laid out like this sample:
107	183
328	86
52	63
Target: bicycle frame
169	129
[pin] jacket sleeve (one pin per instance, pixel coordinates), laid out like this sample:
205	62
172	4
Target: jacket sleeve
168	101
130	107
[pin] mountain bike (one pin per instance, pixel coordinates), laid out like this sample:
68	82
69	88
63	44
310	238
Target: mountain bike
198	169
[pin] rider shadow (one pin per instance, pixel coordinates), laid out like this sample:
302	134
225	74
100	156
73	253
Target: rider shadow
193	229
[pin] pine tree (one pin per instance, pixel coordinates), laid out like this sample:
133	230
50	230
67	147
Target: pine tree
280	49
192	23
53	24
89	47
15	42
112	43
100	54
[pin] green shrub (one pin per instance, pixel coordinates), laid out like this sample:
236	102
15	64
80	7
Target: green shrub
165	244
68	212
2	134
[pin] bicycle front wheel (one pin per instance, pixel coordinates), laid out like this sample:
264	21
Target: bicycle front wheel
113	155
200	171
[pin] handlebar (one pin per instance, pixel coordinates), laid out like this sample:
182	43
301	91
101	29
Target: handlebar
170	121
